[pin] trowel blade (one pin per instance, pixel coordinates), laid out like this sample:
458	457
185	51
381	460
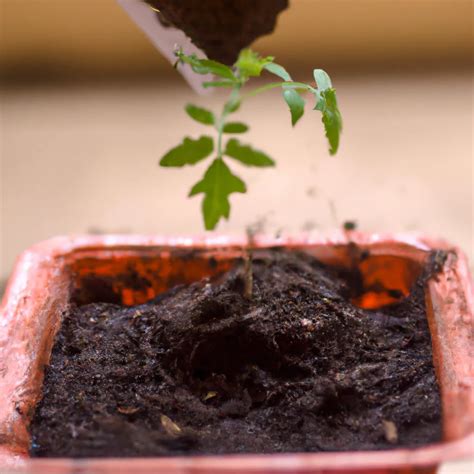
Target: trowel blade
166	39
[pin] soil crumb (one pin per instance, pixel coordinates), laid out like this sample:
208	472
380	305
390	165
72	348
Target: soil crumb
203	370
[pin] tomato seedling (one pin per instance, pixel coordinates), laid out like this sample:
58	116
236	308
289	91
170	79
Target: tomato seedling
218	182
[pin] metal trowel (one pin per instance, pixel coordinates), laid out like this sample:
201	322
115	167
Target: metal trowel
166	39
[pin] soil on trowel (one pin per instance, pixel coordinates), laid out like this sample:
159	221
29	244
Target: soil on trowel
202	369
220	28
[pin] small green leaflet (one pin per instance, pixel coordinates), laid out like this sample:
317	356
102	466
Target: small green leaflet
323	81
206	66
326	102
250	63
219	69
332	119
292	97
235	127
296	104
246	154
200	115
217	185
189	152
232	105
320	102
278	70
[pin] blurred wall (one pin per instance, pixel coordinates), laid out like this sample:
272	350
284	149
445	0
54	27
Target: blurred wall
79	150
94	39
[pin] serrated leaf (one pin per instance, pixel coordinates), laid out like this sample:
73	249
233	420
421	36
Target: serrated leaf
332	120
206	66
217	185
246	154
323	81
296	104
200	115
189	152
278	70
235	127
250	63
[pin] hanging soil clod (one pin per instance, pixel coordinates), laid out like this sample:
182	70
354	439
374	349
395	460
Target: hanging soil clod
221	28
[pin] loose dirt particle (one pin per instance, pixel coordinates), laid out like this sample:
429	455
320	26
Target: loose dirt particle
391	433
170	426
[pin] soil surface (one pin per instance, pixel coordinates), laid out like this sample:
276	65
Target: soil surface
221	29
201	369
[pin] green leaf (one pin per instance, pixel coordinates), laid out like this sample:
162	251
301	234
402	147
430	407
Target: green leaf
200	115
278	70
235	127
326	102
189	152
296	104
250	63
323	81
332	120
320	101
206	66
217	185
219	69
208	84
232	105
247	155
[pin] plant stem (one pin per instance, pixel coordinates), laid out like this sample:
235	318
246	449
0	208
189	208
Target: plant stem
220	126
234	95
248	267
248	274
274	85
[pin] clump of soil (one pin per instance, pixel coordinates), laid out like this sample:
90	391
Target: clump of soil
203	370
221	28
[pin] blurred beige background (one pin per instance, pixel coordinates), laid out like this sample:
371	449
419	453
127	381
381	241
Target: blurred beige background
90	39
88	106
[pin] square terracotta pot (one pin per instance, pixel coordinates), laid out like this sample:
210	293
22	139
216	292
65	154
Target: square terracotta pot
49	274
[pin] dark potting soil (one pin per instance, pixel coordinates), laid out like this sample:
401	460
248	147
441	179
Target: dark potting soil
221	28
203	370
